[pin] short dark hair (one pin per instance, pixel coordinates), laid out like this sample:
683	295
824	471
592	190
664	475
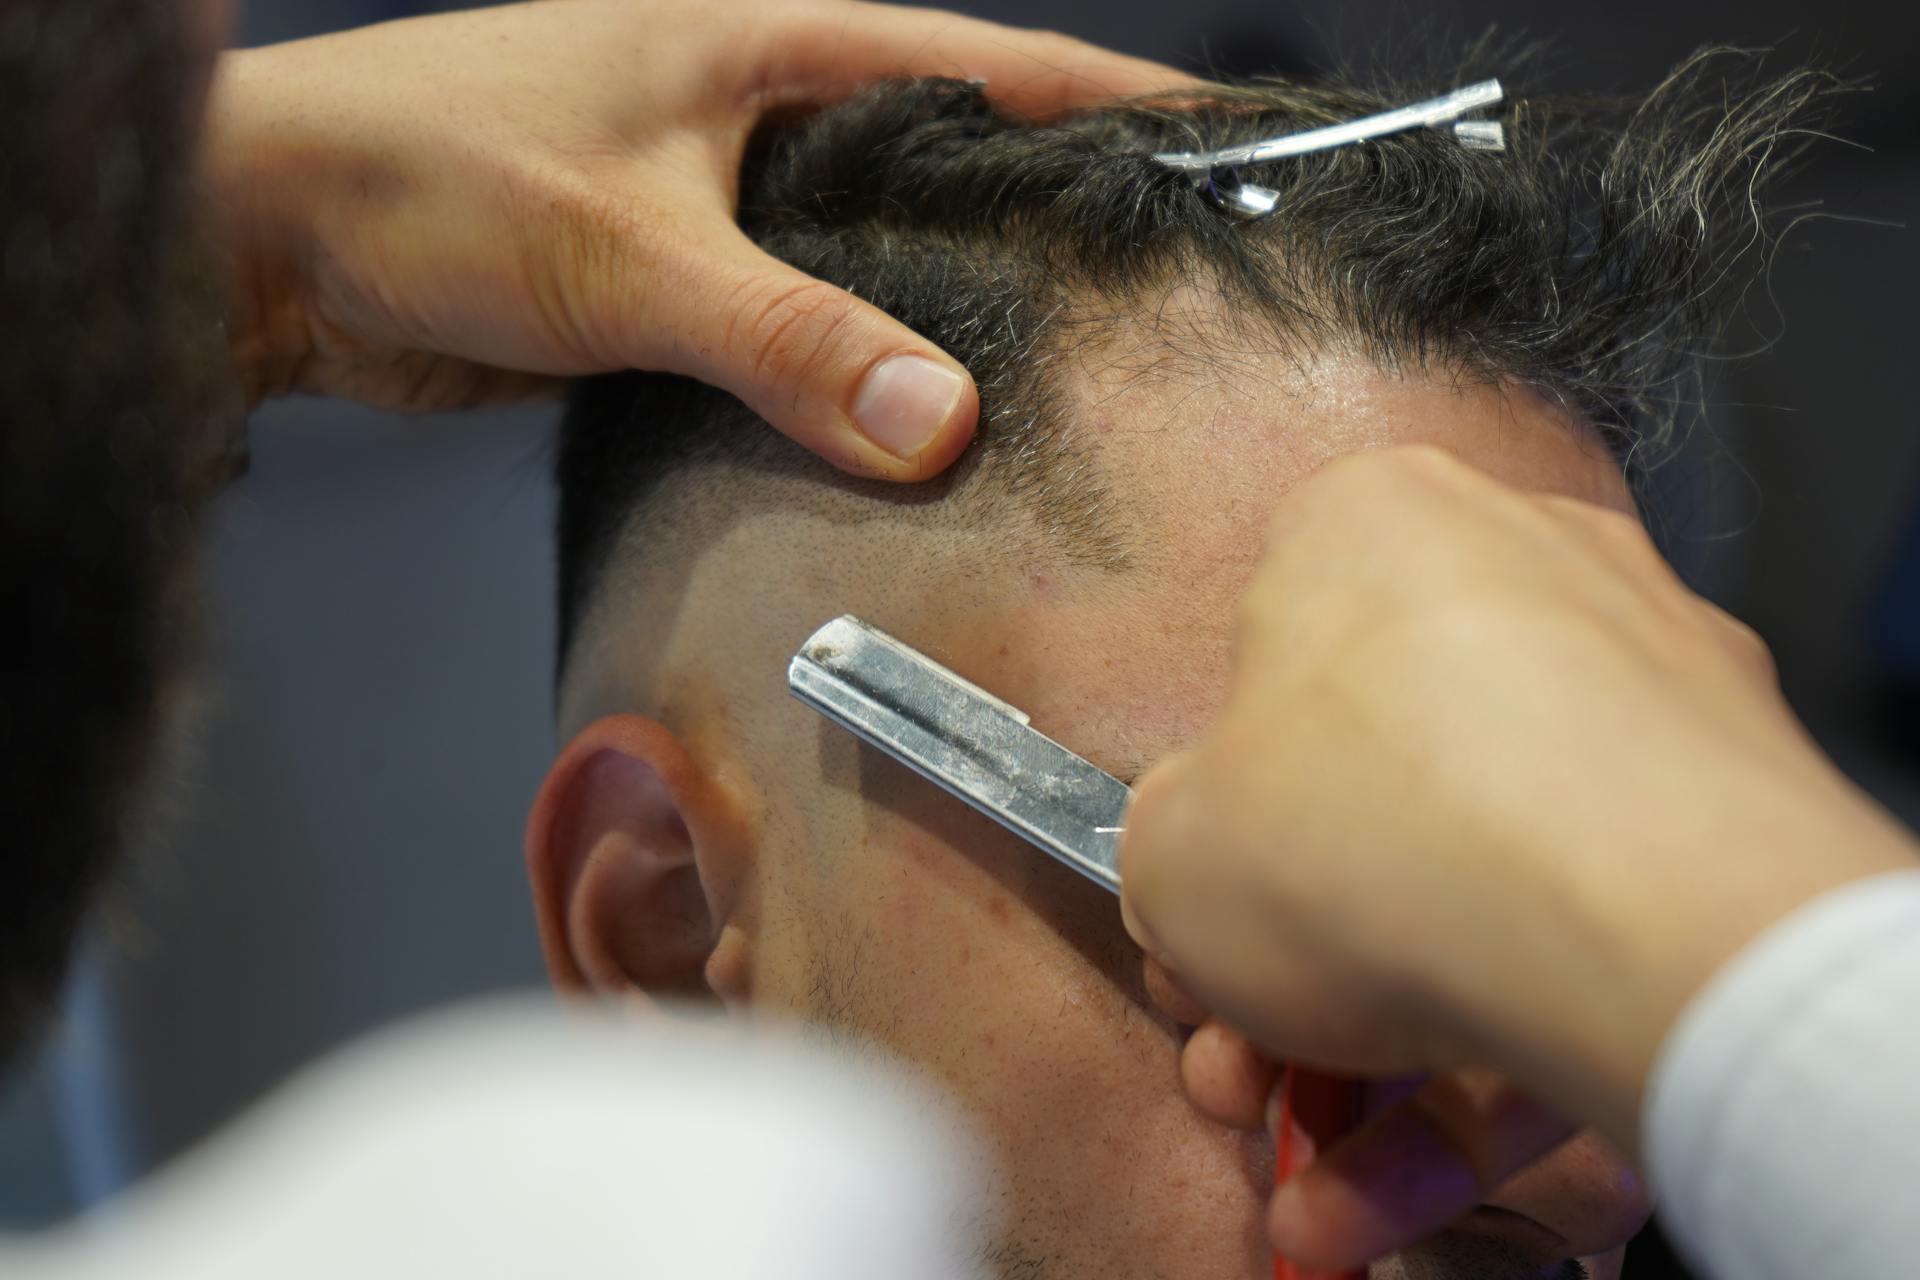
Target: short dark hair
1593	261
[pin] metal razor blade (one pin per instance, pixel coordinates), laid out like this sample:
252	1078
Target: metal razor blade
954	733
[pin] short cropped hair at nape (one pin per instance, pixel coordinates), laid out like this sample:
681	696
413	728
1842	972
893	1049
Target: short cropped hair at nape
1593	261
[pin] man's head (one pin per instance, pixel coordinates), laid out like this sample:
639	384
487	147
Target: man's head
109	355
1152	375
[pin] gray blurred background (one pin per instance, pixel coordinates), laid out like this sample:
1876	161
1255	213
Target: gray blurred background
345	849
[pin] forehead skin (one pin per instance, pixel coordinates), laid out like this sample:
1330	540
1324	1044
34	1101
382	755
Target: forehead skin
1125	669
883	906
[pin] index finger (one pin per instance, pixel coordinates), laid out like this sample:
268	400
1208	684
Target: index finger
1036	73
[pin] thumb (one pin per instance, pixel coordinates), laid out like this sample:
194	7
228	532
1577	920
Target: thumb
1411	1170
835	373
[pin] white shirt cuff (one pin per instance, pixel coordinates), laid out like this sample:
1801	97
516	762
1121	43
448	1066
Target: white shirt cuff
1782	1118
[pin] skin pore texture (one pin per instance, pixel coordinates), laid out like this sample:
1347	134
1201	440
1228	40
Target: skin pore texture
707	836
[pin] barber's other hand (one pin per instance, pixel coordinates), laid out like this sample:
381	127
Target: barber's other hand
463	208
1444	1148
1490	787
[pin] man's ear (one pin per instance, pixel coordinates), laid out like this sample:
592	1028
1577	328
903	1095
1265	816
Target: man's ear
637	862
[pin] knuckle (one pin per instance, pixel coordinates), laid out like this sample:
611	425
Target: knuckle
782	329
1615	526
1748	646
1454	1109
1620	534
1423	459
1417	466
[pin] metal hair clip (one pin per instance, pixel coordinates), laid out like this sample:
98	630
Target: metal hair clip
1217	172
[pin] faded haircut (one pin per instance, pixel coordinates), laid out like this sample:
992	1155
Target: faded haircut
1594	262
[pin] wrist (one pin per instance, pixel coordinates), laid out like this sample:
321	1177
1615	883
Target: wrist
1672	914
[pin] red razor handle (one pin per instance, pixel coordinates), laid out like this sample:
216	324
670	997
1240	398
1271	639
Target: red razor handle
1325	1107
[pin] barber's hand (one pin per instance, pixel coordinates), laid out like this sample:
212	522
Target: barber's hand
463	208
1490	788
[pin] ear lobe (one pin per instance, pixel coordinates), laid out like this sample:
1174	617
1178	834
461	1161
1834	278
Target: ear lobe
632	861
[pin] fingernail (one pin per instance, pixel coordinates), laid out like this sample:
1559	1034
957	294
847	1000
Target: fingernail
904	403
1283	1217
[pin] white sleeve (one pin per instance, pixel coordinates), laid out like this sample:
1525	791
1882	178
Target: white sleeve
509	1139
1782	1118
